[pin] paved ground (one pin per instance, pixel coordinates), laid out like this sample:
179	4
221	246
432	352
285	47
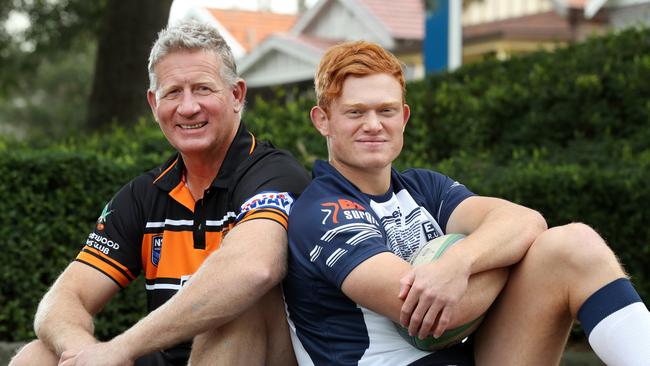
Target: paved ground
6	351
574	356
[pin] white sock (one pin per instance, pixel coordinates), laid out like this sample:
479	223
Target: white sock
623	338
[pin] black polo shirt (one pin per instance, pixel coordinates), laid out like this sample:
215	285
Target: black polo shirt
154	226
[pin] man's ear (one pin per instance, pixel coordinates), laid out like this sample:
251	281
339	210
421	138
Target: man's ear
239	94
407	114
153	103
320	120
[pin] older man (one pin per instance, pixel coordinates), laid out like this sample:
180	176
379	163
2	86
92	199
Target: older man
207	229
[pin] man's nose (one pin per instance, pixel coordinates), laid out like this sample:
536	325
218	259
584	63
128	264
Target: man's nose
189	105
373	122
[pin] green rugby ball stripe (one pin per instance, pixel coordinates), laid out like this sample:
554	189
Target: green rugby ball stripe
448	338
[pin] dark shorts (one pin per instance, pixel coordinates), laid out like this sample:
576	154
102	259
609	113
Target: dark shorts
459	355
160	359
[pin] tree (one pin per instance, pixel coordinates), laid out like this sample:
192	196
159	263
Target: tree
128	30
123	30
55	27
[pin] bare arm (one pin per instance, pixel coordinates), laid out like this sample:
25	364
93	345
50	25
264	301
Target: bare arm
63	320
251	260
375	283
499	234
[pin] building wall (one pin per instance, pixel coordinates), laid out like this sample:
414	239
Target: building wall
630	16
485	11
338	22
278	68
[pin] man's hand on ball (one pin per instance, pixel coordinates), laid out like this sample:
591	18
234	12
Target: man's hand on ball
430	293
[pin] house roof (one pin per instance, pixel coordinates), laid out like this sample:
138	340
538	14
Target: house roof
387	19
404	19
316	43
541	26
250	28
328	22
298	56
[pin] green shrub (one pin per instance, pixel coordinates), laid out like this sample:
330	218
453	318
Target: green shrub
589	92
50	201
609	199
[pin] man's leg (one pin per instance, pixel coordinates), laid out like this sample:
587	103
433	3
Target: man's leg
530	321
34	353
37	353
259	336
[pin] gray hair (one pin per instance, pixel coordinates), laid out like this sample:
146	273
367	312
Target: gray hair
191	35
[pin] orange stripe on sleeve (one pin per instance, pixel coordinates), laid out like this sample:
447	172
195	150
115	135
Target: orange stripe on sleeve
107	269
269	214
112	261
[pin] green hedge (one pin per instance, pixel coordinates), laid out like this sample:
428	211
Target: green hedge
612	200
566	133
49	202
594	91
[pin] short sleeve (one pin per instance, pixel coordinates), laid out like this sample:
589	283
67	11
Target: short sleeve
113	247
268	188
329	237
441	193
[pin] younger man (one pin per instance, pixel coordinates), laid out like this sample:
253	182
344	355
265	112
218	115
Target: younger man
359	221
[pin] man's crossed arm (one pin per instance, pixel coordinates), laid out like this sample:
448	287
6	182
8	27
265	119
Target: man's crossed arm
459	286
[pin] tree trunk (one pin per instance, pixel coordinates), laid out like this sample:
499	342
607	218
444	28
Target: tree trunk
129	29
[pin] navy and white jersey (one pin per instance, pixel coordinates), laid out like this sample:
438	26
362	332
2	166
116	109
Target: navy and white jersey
333	227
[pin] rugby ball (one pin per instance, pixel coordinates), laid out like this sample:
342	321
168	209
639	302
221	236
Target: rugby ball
429	252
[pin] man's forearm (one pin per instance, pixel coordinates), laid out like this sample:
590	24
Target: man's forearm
228	282
62	323
501	239
198	307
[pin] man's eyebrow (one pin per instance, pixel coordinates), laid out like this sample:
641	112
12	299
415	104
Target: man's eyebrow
354	105
364	105
390	104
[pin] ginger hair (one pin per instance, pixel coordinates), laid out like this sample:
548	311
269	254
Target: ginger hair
357	58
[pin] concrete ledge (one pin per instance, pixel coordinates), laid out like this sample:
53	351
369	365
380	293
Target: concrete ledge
8	350
570	357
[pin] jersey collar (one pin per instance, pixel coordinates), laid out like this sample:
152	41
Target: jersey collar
173	171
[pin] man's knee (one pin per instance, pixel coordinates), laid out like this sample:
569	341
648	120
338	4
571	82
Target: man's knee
34	353
575	245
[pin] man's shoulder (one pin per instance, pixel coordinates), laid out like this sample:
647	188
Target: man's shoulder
422	180
270	158
421	174
268	162
145	182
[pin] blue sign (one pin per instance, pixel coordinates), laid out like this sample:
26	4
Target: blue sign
442	38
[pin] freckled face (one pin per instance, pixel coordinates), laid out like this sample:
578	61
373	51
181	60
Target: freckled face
365	125
196	110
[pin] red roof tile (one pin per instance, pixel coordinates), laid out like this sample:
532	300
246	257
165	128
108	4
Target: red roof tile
404	19
251	27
